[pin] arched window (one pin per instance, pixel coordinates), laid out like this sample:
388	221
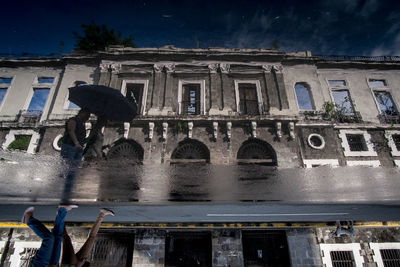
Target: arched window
126	149
256	151
191	150
303	95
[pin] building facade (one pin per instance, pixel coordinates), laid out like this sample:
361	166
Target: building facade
220	106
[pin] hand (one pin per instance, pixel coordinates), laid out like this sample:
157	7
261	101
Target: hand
78	146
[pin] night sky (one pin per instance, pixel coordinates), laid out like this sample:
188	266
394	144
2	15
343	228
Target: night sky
329	27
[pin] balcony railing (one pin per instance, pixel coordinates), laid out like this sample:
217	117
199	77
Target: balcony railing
29	116
359	58
389	119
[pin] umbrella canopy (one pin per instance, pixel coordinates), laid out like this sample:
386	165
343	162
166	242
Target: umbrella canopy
103	101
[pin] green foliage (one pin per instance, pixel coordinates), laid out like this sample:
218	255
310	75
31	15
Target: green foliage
340	113
97	38
21	142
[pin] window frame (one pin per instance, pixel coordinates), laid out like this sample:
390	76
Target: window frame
7	86
353	247
30	96
260	102
145	83
10	137
346	147
346	86
389	137
202	95
308	87
376	248
37	85
385	88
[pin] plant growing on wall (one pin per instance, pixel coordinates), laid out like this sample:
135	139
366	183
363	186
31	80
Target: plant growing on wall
342	112
21	142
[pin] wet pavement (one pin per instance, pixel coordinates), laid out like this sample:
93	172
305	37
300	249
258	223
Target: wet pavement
41	179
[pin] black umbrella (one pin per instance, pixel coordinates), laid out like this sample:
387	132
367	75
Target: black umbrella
103	101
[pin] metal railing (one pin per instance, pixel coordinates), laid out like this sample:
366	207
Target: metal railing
359	58
29	116
389	119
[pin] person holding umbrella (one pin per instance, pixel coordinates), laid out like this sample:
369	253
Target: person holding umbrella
93	149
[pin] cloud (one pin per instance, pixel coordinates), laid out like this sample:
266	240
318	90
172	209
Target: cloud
370	7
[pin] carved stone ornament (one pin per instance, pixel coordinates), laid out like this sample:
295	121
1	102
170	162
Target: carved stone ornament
291	130
278	68
279	129
254	129
127	126
224	67
116	68
229	130
165	130
104	67
215	129
213	68
267	68
190	129
151	130
158	67
169	67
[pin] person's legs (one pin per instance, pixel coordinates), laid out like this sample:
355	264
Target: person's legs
68	256
73	158
57	233
42	257
83	253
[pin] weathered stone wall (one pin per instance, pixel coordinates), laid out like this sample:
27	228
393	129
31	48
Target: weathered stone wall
303	248
149	249
227	248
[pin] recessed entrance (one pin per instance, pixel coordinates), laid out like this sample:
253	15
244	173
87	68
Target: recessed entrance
265	248
183	249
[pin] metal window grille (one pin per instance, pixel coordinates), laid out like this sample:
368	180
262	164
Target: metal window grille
396	139
27	255
342	259
112	250
390	257
248	99
356	142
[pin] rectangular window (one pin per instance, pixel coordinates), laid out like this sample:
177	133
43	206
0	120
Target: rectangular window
45	80
3	92
376	83
134	94
337	82
4	80
191	99
385	102
343	101
390	257
38	100
342	259
356	142
248	99
396	140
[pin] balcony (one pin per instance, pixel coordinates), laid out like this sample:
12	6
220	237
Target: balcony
389	119
29	117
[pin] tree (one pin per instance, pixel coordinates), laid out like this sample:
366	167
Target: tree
97	38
